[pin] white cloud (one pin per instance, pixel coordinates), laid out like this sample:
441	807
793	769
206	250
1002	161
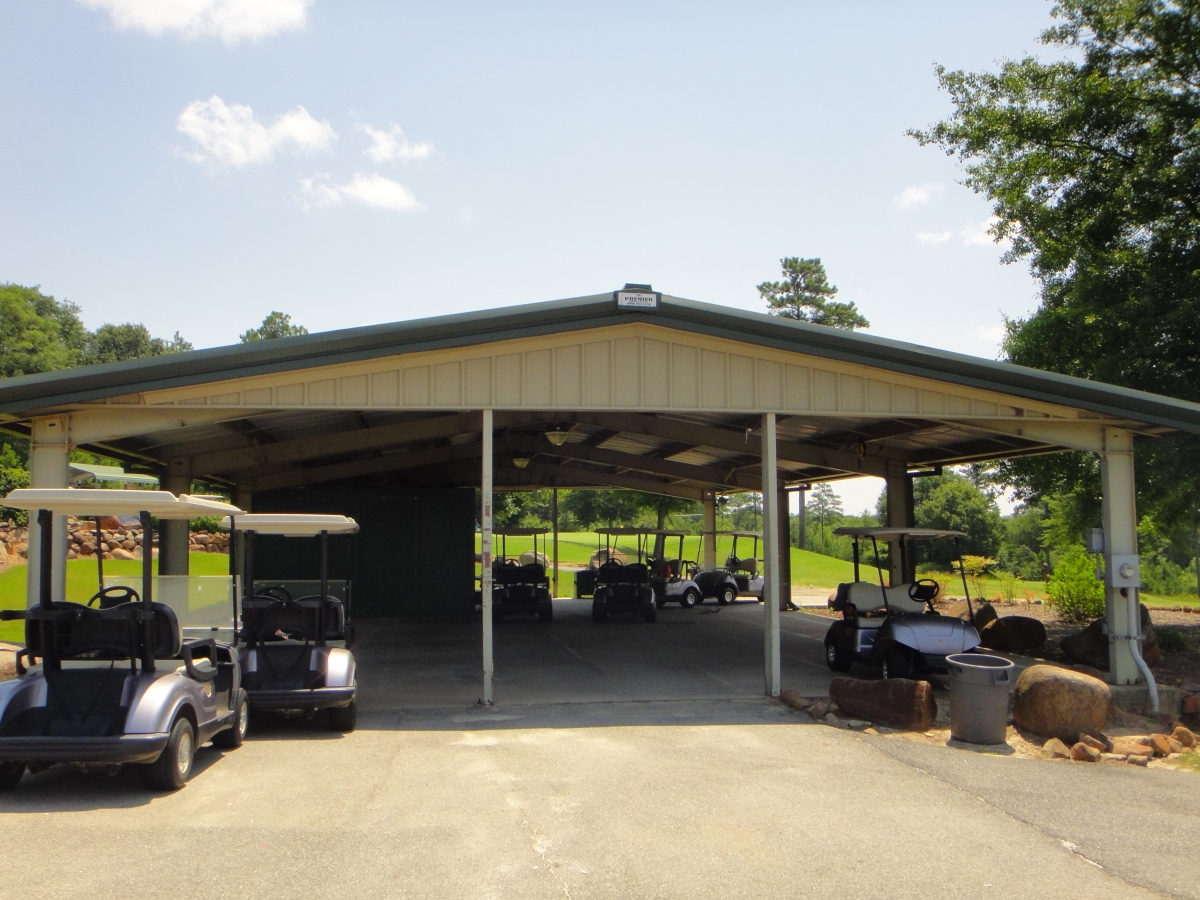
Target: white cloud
231	134
230	20
931	238
989	334
370	190
977	233
917	195
392	144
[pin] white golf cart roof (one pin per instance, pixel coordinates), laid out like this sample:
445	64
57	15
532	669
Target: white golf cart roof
889	534
292	524
114	502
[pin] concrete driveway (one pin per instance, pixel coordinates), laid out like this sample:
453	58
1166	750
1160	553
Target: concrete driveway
590	778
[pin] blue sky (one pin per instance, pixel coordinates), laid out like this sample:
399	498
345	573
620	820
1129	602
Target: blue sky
196	164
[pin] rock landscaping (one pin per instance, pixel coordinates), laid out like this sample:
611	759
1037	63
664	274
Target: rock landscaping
117	541
1060	703
897	702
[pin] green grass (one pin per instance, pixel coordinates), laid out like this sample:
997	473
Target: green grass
81	582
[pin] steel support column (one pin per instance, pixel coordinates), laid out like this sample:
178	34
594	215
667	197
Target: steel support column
49	461
173	533
898	516
785	552
771	556
710	532
554	522
485	530
1119	518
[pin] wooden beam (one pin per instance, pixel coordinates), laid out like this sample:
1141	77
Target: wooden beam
388	462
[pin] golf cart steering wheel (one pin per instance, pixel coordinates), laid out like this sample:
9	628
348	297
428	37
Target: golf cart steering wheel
275	593
114	596
924	590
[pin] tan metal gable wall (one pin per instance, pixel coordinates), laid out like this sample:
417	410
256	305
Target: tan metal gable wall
628	367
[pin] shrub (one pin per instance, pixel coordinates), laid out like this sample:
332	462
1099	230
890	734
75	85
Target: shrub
1073	590
1171	639
205	523
1008	586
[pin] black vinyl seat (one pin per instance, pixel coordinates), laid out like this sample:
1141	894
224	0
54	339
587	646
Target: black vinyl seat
74	631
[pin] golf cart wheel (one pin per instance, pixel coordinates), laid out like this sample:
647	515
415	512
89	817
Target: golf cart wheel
546	612
599	612
231	738
836	658
689	599
897	662
726	594
343	718
651	614
761	598
10	775
174	765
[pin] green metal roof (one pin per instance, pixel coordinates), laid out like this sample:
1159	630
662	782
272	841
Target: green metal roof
30	393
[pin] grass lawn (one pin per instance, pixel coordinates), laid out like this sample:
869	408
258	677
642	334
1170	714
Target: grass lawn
81	582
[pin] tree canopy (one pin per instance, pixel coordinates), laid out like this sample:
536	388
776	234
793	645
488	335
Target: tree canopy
1092	165
275	325
806	295
37	332
114	343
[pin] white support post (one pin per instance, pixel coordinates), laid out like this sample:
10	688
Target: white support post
554	517
485	528
173	533
897	517
771	556
49	462
1119	518
710	532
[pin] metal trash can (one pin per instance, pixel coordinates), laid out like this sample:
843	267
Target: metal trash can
979	688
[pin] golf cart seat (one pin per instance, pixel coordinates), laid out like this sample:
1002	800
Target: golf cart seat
532	573
335	615
867	597
76	631
529	557
636	573
748	564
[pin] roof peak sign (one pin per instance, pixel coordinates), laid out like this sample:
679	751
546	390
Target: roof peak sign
637	296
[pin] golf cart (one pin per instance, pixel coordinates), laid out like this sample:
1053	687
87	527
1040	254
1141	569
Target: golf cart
287	625
738	577
585	579
668	576
521	589
181	686
897	628
624	587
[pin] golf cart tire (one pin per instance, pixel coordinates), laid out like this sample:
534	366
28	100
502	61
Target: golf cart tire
650	615
897	661
546	612
689	599
726	594
836	658
599	612
11	774
166	773
343	719
231	738
761	598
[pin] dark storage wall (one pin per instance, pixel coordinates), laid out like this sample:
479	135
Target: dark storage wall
414	553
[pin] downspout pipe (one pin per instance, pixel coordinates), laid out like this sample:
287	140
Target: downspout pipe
1135	637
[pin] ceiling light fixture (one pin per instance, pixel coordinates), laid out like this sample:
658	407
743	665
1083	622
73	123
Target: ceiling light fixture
558	436
520	461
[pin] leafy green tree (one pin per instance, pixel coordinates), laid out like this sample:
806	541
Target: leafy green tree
952	503
117	343
823	510
600	508
806	295
1091	163
275	325
37	332
1073	590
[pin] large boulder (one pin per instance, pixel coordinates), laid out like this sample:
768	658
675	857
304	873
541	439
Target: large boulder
1089	646
1060	703
985	613
896	702
1013	634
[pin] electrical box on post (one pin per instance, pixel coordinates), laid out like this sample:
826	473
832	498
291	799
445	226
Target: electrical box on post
1093	539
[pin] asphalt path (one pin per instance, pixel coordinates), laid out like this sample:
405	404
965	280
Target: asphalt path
617	791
